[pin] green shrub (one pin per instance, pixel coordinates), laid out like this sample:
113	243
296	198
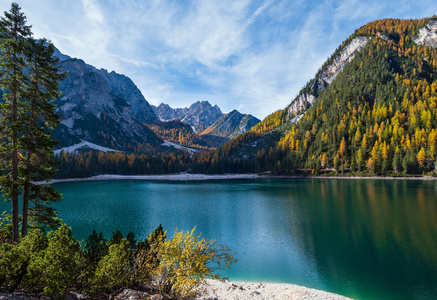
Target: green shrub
15	259
55	269
113	270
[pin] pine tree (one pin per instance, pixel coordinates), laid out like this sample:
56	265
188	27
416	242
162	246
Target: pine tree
14	33
29	79
41	118
397	163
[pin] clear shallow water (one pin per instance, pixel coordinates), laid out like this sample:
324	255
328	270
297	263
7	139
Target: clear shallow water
366	239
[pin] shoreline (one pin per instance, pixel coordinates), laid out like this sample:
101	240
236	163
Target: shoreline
205	177
217	290
229	290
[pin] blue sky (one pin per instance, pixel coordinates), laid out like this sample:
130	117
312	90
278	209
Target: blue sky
253	56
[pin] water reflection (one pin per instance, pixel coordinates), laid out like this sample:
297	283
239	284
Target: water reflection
373	234
367	239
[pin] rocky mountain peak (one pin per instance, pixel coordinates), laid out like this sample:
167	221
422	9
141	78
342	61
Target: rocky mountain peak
198	115
325	77
231	125
428	35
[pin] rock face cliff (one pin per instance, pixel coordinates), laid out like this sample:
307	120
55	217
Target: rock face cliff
428	35
165	113
199	115
231	125
325	77
123	87
96	106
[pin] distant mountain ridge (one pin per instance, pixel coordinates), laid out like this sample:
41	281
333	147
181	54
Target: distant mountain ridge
231	125
206	119
199	115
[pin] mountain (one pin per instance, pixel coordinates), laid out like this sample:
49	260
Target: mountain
108	111
165	113
176	131
210	128
370	109
200	115
231	125
323	78
103	108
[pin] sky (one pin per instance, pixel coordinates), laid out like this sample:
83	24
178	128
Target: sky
249	55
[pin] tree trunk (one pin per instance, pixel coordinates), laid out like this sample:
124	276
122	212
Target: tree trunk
27	179
24	224
15	213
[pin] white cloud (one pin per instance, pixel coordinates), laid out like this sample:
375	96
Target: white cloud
251	54
92	11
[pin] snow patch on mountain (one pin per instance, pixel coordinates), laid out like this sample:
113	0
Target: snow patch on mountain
68	122
177	146
84	145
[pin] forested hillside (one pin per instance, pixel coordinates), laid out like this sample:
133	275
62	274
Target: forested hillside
377	116
369	110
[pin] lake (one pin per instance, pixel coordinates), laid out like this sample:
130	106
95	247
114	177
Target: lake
366	239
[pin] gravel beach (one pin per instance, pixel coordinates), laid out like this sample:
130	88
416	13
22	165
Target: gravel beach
216	290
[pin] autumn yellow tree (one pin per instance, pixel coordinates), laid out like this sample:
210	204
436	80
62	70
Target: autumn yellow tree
421	157
179	266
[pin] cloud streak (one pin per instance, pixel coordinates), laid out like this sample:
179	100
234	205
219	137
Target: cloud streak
253	55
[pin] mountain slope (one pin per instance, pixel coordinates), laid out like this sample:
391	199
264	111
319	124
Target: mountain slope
376	115
178	132
95	108
231	125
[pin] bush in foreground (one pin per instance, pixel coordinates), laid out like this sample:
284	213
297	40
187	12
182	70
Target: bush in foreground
54	264
179	266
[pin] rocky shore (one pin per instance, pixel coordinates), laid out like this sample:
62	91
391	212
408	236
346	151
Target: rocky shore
216	290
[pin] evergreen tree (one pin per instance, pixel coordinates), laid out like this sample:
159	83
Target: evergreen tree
13	36
41	119
29	79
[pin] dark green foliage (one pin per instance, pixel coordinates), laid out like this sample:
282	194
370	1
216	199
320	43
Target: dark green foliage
90	163
13	81
54	270
95	247
40	120
15	259
113	271
158	233
29	79
117	237
41	263
131	241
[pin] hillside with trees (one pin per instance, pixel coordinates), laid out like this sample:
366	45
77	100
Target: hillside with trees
377	117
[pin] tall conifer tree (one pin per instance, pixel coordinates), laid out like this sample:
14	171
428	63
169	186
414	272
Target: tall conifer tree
40	119
29	76
13	80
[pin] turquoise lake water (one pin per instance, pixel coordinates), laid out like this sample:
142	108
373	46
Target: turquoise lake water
366	239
